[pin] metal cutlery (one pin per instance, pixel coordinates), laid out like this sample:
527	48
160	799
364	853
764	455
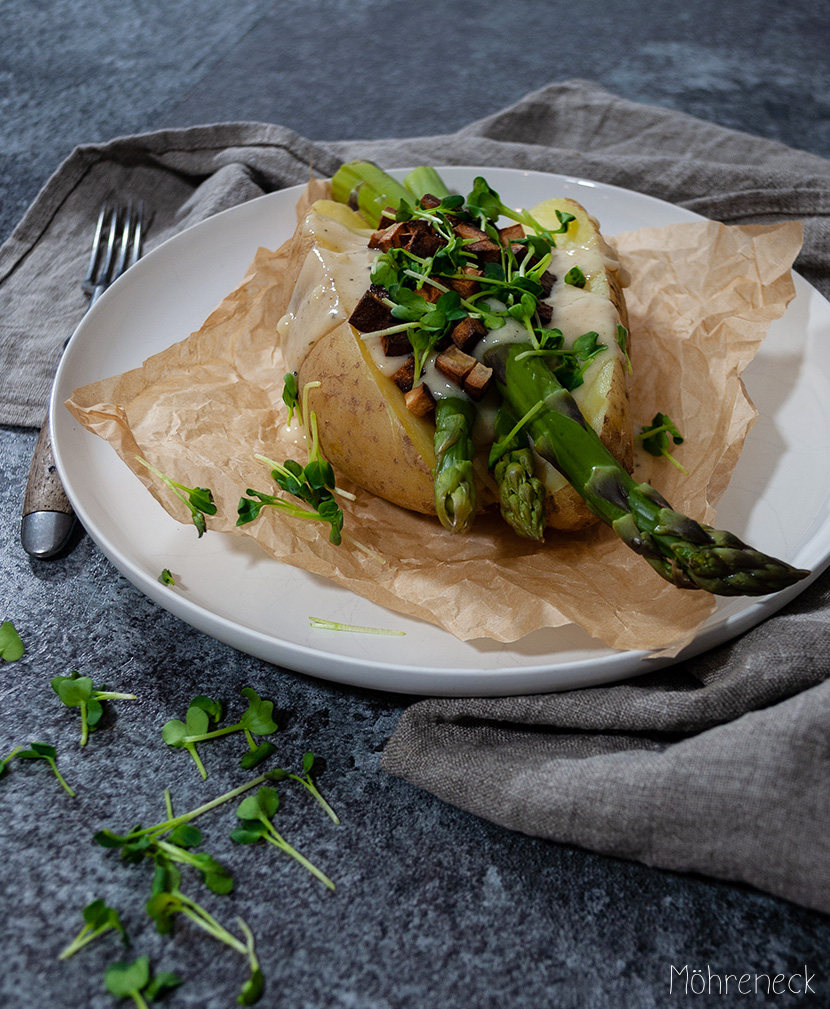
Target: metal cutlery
48	522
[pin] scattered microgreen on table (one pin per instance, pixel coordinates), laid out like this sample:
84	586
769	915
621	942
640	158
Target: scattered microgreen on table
78	691
134	980
43	751
11	645
256	813
256	720
305	779
168	900
98	918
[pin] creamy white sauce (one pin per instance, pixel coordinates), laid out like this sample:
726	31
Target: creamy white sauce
336	274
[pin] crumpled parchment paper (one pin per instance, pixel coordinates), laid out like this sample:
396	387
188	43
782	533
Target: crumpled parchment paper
700	301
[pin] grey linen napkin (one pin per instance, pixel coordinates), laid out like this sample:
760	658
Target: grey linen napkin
717	765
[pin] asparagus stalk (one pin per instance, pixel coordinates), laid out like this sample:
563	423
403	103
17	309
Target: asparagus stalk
423	180
521	494
455	492
367	189
681	550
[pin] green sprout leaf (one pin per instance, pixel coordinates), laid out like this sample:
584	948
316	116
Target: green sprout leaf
43	751
256	813
575	277
622	343
11	646
257	755
166	577
257	720
77	691
199	500
134	980
291	396
655	438
98	918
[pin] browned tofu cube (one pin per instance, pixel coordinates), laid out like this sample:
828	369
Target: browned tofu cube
430	293
405	375
511	233
478	381
478	242
455	364
547	280
467	285
370	313
467	333
545	312
395	344
419	400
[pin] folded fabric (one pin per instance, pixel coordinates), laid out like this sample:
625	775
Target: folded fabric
716	765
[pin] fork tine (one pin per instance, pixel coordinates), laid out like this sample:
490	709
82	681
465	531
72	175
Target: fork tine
87	283
135	251
117	257
124	247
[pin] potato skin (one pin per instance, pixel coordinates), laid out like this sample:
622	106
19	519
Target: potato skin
361	433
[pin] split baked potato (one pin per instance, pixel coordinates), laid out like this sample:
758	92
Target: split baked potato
367	430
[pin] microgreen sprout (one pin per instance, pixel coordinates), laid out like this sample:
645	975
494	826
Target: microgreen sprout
256	719
655	438
305	779
334	625
168	900
11	645
575	277
134	980
43	751
622	343
485	203
573	362
257	752
256	812
502	445
98	918
291	397
77	691
313	483
199	500
6	760
166	577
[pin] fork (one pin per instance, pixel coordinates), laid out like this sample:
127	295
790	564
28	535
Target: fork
48	522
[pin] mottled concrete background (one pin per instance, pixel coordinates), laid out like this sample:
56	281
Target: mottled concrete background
433	908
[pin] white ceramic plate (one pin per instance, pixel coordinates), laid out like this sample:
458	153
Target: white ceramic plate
779	499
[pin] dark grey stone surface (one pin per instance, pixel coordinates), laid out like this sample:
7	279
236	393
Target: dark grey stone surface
433	907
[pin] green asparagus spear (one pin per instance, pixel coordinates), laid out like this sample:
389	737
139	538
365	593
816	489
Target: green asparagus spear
681	550
455	492
521	494
424	180
367	189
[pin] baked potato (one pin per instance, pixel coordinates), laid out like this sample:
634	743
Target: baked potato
366	424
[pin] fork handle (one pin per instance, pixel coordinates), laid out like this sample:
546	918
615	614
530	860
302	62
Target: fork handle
48	519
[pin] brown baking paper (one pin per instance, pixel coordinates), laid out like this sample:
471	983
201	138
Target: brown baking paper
701	298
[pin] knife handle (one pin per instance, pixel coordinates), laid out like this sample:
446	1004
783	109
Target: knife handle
48	519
